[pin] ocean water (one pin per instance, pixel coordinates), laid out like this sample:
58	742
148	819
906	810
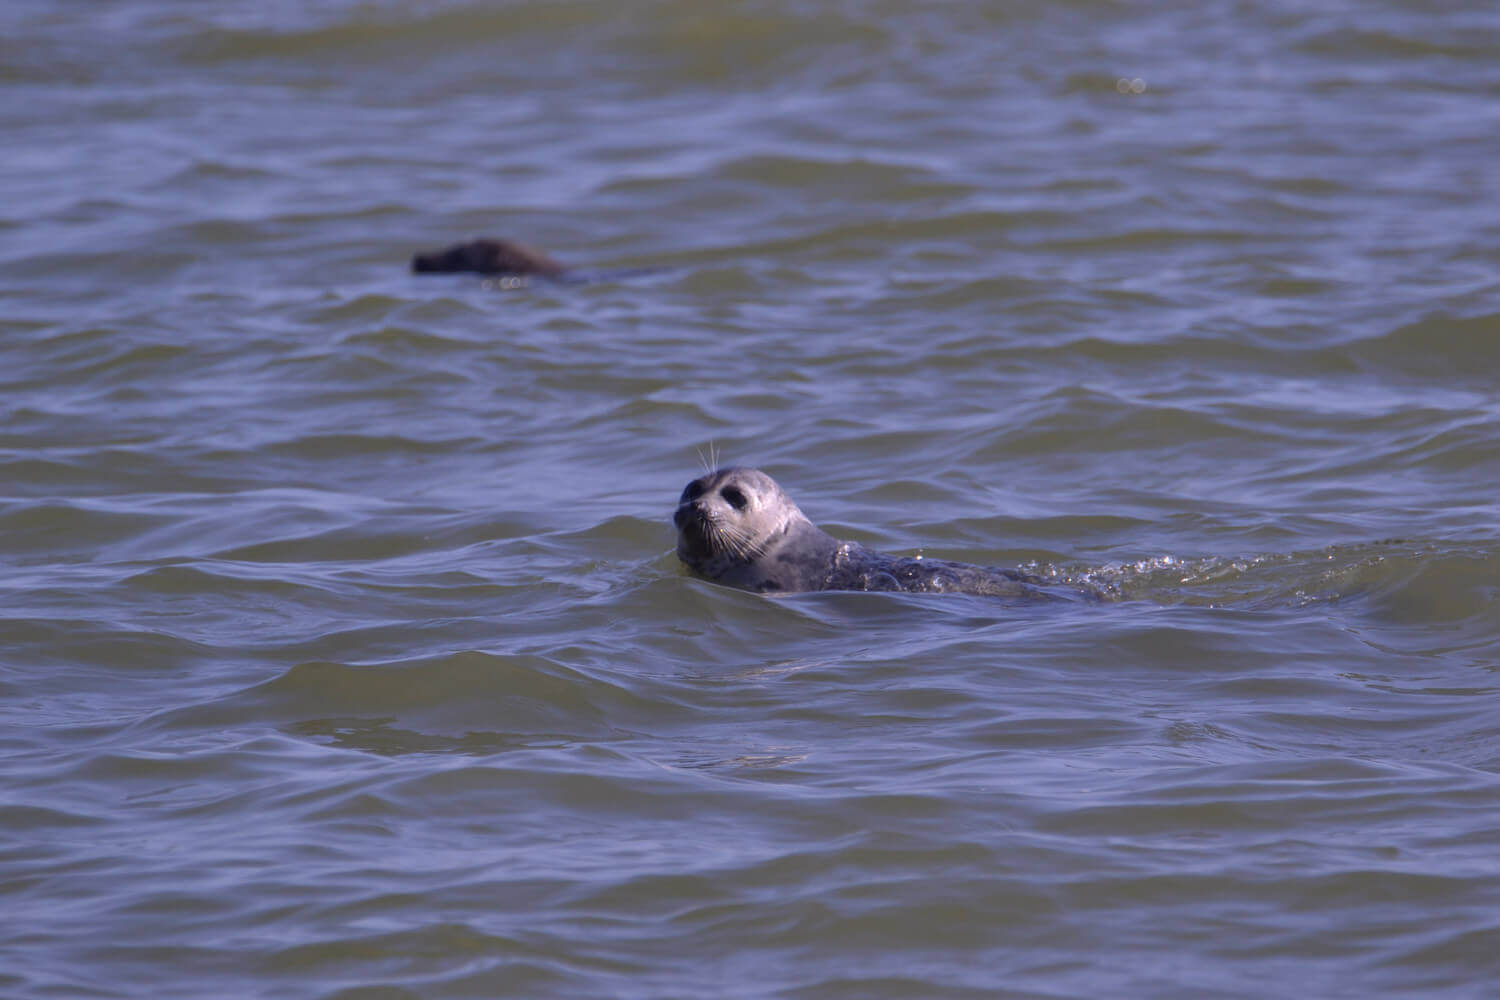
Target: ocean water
344	652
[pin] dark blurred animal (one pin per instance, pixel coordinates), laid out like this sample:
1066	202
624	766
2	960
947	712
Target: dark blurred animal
491	257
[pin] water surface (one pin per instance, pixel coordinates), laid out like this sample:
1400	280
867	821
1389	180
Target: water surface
344	653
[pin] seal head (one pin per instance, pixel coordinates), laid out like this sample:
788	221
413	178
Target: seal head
488	257
735	526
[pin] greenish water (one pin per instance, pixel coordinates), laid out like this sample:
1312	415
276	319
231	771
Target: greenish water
344	652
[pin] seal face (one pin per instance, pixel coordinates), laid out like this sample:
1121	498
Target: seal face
488	257
736	526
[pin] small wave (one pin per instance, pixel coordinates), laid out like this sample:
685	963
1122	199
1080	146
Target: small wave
1398	580
55	529
470	702
1439	345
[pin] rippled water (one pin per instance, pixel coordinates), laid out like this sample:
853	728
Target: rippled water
344	651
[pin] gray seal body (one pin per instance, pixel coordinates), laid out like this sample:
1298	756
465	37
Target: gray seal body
737	527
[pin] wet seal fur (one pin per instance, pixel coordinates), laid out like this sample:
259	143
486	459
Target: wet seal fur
490	257
736	526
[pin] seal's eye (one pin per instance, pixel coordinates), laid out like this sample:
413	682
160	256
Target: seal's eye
693	491
734	497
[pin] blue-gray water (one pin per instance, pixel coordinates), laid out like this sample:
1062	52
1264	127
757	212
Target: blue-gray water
344	652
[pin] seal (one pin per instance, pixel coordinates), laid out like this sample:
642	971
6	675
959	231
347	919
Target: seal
485	256
514	264
736	526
